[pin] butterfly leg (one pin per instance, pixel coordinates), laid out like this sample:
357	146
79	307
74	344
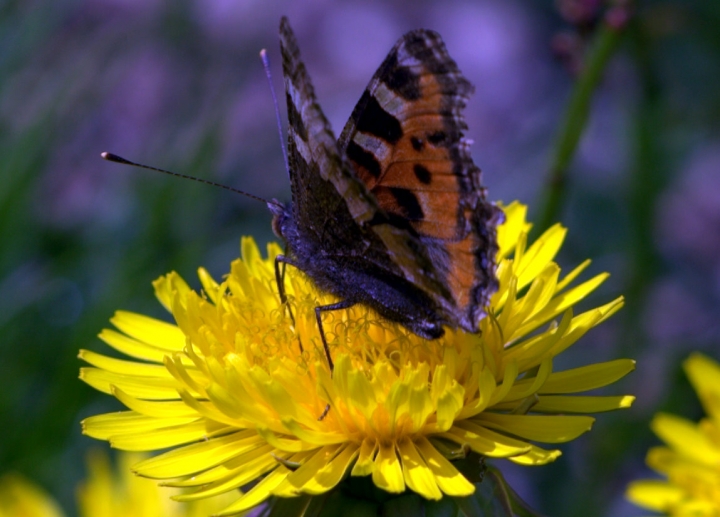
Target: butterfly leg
280	279
345	304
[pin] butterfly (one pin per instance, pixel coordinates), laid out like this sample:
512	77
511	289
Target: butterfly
392	214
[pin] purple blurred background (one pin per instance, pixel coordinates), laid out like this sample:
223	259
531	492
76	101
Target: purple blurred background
179	85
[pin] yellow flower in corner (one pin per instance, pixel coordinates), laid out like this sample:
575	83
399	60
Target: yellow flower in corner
104	494
123	494
235	390
21	498
691	460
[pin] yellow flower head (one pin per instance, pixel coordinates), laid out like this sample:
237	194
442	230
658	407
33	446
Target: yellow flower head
108	494
21	498
232	392
104	494
691	459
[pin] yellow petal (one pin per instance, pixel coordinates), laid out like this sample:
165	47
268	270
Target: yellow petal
684	437
162	438
120	367
704	374
209	285
141	387
238	472
572	275
133	347
285	442
573	404
549	429
418	476
198	456
257	494
536	456
539	254
387	474
366	459
560	303
682	470
447	477
104	426
150	330
484	441
239	469
588	377
304	476
515	224
313	437
333	472
654	494
449	405
161	409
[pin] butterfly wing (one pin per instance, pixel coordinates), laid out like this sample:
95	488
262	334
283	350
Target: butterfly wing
319	176
330	204
405	142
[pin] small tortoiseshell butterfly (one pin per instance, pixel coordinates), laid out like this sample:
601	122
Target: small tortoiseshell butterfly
393	214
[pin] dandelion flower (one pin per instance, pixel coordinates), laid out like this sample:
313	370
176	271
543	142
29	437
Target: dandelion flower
108	494
234	389
690	461
105	494
21	498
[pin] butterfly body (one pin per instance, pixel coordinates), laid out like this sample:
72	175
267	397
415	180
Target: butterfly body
392	215
348	274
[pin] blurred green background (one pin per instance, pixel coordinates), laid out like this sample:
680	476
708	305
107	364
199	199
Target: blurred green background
179	85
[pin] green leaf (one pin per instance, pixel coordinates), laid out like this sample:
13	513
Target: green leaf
519	507
489	500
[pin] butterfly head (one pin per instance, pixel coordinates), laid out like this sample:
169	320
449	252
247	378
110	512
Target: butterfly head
282	222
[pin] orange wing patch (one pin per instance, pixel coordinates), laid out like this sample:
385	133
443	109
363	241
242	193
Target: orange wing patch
405	140
406	143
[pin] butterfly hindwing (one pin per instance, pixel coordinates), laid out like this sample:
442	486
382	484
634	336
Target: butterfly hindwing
405	140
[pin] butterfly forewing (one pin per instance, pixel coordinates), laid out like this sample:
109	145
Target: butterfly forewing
313	152
405	140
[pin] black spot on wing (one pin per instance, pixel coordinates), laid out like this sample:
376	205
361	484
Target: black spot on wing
363	158
408	202
437	138
417	143
422	174
295	120
401	79
375	121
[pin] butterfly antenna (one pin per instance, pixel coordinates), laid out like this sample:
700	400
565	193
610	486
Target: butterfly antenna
119	159
266	66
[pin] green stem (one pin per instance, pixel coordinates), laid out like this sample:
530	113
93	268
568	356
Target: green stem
647	180
602	48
